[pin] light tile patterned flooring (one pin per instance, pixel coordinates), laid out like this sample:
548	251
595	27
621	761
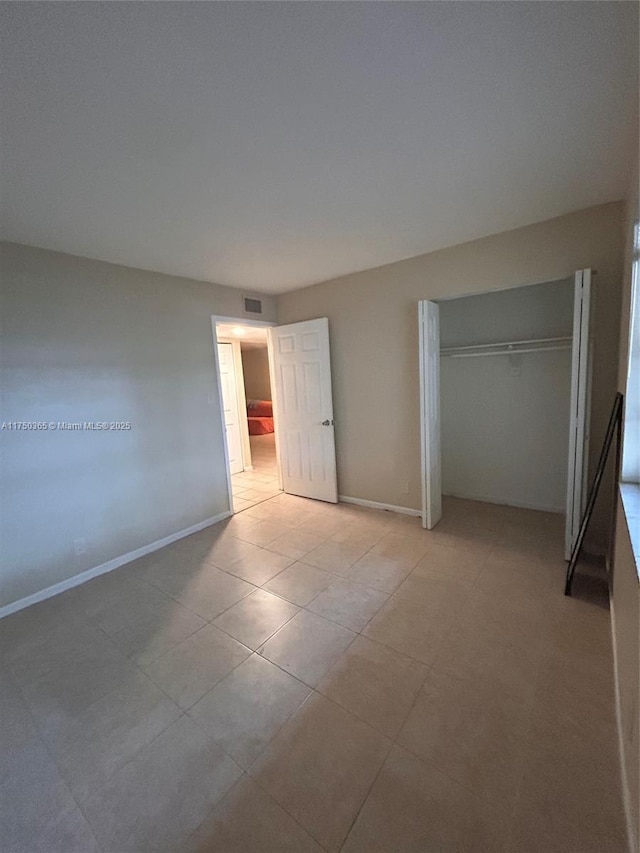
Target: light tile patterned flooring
308	677
252	487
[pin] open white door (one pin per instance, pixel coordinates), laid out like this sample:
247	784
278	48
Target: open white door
230	405
303	408
429	338
580	404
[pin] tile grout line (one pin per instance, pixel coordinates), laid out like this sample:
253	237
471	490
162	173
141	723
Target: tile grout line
313	690
369	789
55	762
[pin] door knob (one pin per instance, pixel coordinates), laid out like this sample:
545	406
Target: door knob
327	422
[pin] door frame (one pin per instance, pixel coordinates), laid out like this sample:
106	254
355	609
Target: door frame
241	399
586	273
236	321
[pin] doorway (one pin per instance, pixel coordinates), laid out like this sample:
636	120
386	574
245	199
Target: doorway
285	443
247	402
505	379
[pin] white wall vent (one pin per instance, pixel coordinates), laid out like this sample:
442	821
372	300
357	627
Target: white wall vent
252	305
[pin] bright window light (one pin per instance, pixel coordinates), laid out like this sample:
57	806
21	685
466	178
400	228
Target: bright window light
631	448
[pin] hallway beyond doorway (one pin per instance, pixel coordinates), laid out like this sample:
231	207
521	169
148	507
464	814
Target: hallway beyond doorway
252	487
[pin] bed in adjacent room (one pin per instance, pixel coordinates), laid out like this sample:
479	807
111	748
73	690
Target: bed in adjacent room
260	417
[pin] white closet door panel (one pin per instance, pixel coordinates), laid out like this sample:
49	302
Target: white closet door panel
580	405
429	337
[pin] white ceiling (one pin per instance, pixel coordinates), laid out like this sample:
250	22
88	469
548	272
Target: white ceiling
250	337
272	145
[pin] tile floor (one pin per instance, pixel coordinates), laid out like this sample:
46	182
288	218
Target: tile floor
308	677
252	487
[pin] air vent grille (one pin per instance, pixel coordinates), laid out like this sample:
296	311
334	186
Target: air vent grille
252	305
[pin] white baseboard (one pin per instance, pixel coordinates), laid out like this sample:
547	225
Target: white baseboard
518	504
403	510
632	840
109	566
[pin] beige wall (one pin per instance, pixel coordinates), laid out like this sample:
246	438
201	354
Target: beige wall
83	341
626	628
625	584
255	366
374	342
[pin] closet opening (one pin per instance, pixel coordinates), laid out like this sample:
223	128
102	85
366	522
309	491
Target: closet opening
505	381
247	402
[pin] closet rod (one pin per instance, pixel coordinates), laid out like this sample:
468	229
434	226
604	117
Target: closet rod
508	347
446	354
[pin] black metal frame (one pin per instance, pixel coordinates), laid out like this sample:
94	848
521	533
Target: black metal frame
614	429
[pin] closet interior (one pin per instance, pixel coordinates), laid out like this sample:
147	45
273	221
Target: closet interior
505	391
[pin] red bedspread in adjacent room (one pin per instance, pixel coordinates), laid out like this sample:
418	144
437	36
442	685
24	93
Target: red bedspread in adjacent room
260	426
260	417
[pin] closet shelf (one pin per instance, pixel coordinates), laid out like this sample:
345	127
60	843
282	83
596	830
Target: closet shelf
508	348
